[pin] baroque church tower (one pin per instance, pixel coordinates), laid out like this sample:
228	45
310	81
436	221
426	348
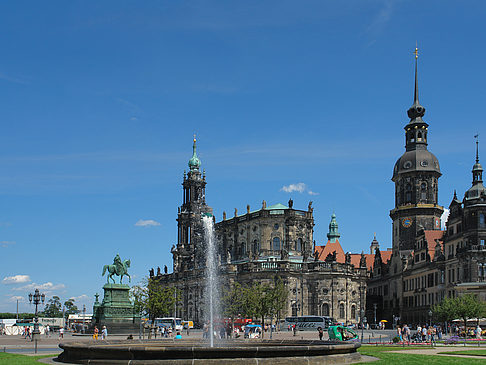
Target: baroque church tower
416	175
189	252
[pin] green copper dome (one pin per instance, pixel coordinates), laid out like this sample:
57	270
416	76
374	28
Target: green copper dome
194	162
333	229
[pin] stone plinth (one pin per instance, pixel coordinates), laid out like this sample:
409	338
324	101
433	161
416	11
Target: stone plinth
116	311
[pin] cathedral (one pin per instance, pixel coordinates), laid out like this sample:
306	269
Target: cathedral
258	246
401	284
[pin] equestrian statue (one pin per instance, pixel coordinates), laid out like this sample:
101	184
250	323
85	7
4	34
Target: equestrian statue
119	268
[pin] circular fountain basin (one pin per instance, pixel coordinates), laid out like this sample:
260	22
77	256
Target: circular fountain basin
185	352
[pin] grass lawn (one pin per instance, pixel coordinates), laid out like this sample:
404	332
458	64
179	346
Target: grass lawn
389	358
7	358
472	352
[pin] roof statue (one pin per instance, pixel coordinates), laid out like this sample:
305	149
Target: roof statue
119	268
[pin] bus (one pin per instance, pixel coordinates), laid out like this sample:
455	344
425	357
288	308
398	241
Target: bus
303	323
175	323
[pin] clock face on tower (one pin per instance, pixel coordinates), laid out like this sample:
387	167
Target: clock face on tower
406	222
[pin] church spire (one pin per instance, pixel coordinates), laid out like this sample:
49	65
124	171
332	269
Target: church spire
477	170
194	162
416	111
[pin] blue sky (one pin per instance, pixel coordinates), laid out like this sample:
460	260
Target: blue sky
99	102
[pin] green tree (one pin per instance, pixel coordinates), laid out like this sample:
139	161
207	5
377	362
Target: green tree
233	302
444	311
468	306
71	308
278	298
154	300
53	308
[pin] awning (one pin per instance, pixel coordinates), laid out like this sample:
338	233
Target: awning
27	324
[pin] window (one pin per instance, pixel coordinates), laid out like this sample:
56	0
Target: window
256	246
276	244
341	310
353	311
482	223
408	193
423	192
298	245
294	309
325	309
419	136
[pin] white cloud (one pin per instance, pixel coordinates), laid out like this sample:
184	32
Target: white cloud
46	287
443	218
14	298
7	243
299	187
80	298
147	223
16	279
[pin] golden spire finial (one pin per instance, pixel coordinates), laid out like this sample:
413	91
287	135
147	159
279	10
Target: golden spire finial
194	137
416	51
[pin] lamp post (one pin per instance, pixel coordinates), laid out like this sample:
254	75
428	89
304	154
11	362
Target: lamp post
430	317
374	311
84	316
36	299
361	313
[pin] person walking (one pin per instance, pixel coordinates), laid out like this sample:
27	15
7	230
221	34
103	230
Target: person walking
27	333
399	334
95	333
432	335
321	333
104	333
424	333
46	330
478	332
61	332
419	333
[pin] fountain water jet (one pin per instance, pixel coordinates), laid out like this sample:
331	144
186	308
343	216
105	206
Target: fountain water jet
212	282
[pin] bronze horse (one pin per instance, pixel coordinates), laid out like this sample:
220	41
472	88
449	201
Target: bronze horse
119	270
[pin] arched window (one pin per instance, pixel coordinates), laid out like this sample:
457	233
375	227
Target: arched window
423	191
408	193
353	311
411	137
341	310
325	309
419	136
276	244
298	245
256	246
294	309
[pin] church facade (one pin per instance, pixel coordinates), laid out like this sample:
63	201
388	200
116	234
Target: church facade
259	246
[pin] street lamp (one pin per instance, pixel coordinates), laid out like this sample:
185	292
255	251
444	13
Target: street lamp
84	316
363	318
430	317
36	299
374	309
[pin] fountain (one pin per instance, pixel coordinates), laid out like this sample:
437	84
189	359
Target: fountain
193	351
212	293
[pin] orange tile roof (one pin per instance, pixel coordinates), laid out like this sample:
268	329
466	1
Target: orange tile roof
330	247
323	251
430	238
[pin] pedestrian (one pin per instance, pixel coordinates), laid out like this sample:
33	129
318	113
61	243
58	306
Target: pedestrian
294	330
399	333
27	333
46	330
424	333
321	333
478	332
206	330
104	333
419	333
432	335
406	333
95	333
61	332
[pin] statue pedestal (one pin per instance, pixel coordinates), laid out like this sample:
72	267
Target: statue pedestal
116	311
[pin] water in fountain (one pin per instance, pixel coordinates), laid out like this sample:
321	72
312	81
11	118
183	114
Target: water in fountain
212	292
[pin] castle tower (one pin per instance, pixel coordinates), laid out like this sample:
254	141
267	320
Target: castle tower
189	252
416	175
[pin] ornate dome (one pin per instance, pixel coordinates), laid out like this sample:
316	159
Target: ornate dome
416	160
194	162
